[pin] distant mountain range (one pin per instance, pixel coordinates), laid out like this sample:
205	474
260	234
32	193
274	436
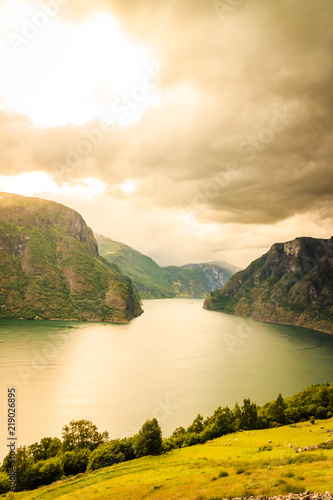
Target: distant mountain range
153	281
50	267
291	284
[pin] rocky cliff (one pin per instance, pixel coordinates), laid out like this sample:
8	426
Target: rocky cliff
216	273
50	267
291	284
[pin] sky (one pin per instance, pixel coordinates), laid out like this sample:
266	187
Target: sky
192	131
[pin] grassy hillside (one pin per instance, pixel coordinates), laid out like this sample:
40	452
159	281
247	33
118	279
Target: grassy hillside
242	464
50	267
151	280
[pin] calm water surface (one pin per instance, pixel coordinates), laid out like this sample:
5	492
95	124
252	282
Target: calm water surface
175	361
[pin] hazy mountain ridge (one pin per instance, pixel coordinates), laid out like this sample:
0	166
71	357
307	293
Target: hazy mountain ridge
153	281
50	267
217	273
291	284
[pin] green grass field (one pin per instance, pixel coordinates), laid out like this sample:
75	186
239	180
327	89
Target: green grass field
230	466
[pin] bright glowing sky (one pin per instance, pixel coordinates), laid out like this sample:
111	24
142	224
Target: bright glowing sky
188	132
66	72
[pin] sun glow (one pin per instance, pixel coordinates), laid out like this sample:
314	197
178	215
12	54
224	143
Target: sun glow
66	72
128	187
33	183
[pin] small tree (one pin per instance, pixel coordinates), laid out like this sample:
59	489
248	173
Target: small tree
81	434
277	410
249	416
197	425
148	441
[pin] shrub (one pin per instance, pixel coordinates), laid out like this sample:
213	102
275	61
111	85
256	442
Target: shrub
4	482
223	473
75	462
51	470
114	452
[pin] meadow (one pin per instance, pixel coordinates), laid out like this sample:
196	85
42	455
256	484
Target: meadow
245	463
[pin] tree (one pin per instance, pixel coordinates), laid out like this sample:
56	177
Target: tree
148	441
47	448
42	472
249	415
75	462
82	434
23	460
110	453
237	413
222	422
197	425
277	410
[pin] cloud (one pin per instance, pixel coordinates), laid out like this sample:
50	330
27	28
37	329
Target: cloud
241	135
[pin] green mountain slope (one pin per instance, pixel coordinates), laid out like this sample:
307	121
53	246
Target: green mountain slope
291	284
155	282
147	276
50	267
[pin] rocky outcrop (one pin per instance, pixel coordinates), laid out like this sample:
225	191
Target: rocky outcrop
291	284
216	273
50	267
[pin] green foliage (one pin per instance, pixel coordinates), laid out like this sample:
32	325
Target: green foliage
249	415
110	453
148	441
82	434
75	462
51	470
197	426
4	482
314	401
47	448
41	473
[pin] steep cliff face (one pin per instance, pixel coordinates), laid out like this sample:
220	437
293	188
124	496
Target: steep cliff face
216	273
291	284
50	267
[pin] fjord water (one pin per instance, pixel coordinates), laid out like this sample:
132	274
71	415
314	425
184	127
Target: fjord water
173	362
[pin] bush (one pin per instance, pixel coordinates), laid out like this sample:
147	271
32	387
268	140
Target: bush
223	473
4	482
75	462
114	452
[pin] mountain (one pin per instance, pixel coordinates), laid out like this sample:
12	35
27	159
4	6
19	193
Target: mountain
216	273
50	267
155	282
291	284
